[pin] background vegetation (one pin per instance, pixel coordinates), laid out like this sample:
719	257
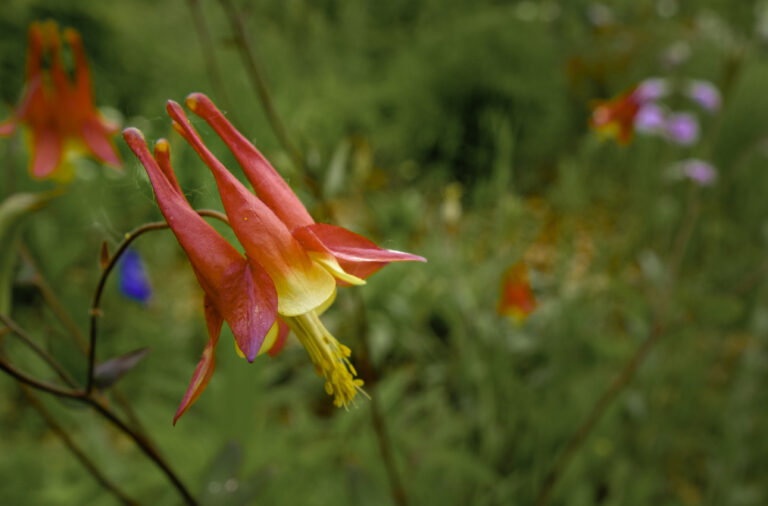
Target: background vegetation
408	112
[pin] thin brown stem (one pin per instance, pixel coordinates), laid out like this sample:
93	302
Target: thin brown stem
44	355
145	446
250	61
209	56
627	374
129	238
79	454
596	414
368	374
37	384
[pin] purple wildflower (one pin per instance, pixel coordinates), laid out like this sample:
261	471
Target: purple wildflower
700	172
650	119
134	282
704	93
652	89
682	128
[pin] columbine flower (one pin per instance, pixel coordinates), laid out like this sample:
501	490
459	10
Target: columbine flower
516	298
58	112
133	279
304	259
704	93
237	290
616	117
682	128
299	262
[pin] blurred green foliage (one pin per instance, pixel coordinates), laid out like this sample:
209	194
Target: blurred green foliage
392	102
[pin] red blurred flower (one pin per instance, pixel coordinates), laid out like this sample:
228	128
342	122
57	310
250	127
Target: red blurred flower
58	112
616	117
299	262
516	298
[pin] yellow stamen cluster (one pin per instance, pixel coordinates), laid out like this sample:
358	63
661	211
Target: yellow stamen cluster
330	357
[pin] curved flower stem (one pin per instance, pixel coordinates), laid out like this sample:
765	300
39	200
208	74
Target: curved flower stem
95	311
84	459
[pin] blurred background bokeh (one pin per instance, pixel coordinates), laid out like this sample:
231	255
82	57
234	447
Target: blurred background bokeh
457	130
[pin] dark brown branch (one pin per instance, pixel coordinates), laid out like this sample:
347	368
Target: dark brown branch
39	385
79	454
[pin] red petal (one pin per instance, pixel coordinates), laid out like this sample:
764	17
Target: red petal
356	254
163	158
34	50
96	137
282	335
83	88
269	186
57	72
241	292
301	284
250	299
204	370
210	254
46	152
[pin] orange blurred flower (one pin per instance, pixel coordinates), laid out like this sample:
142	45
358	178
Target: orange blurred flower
516	297
57	111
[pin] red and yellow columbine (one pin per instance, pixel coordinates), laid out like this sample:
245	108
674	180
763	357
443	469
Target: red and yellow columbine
616	117
299	261
58	112
516	298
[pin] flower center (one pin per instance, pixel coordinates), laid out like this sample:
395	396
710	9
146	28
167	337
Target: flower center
330	357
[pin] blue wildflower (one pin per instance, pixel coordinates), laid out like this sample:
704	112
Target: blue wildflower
134	282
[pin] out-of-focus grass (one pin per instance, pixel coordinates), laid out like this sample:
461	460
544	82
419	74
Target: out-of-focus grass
412	97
